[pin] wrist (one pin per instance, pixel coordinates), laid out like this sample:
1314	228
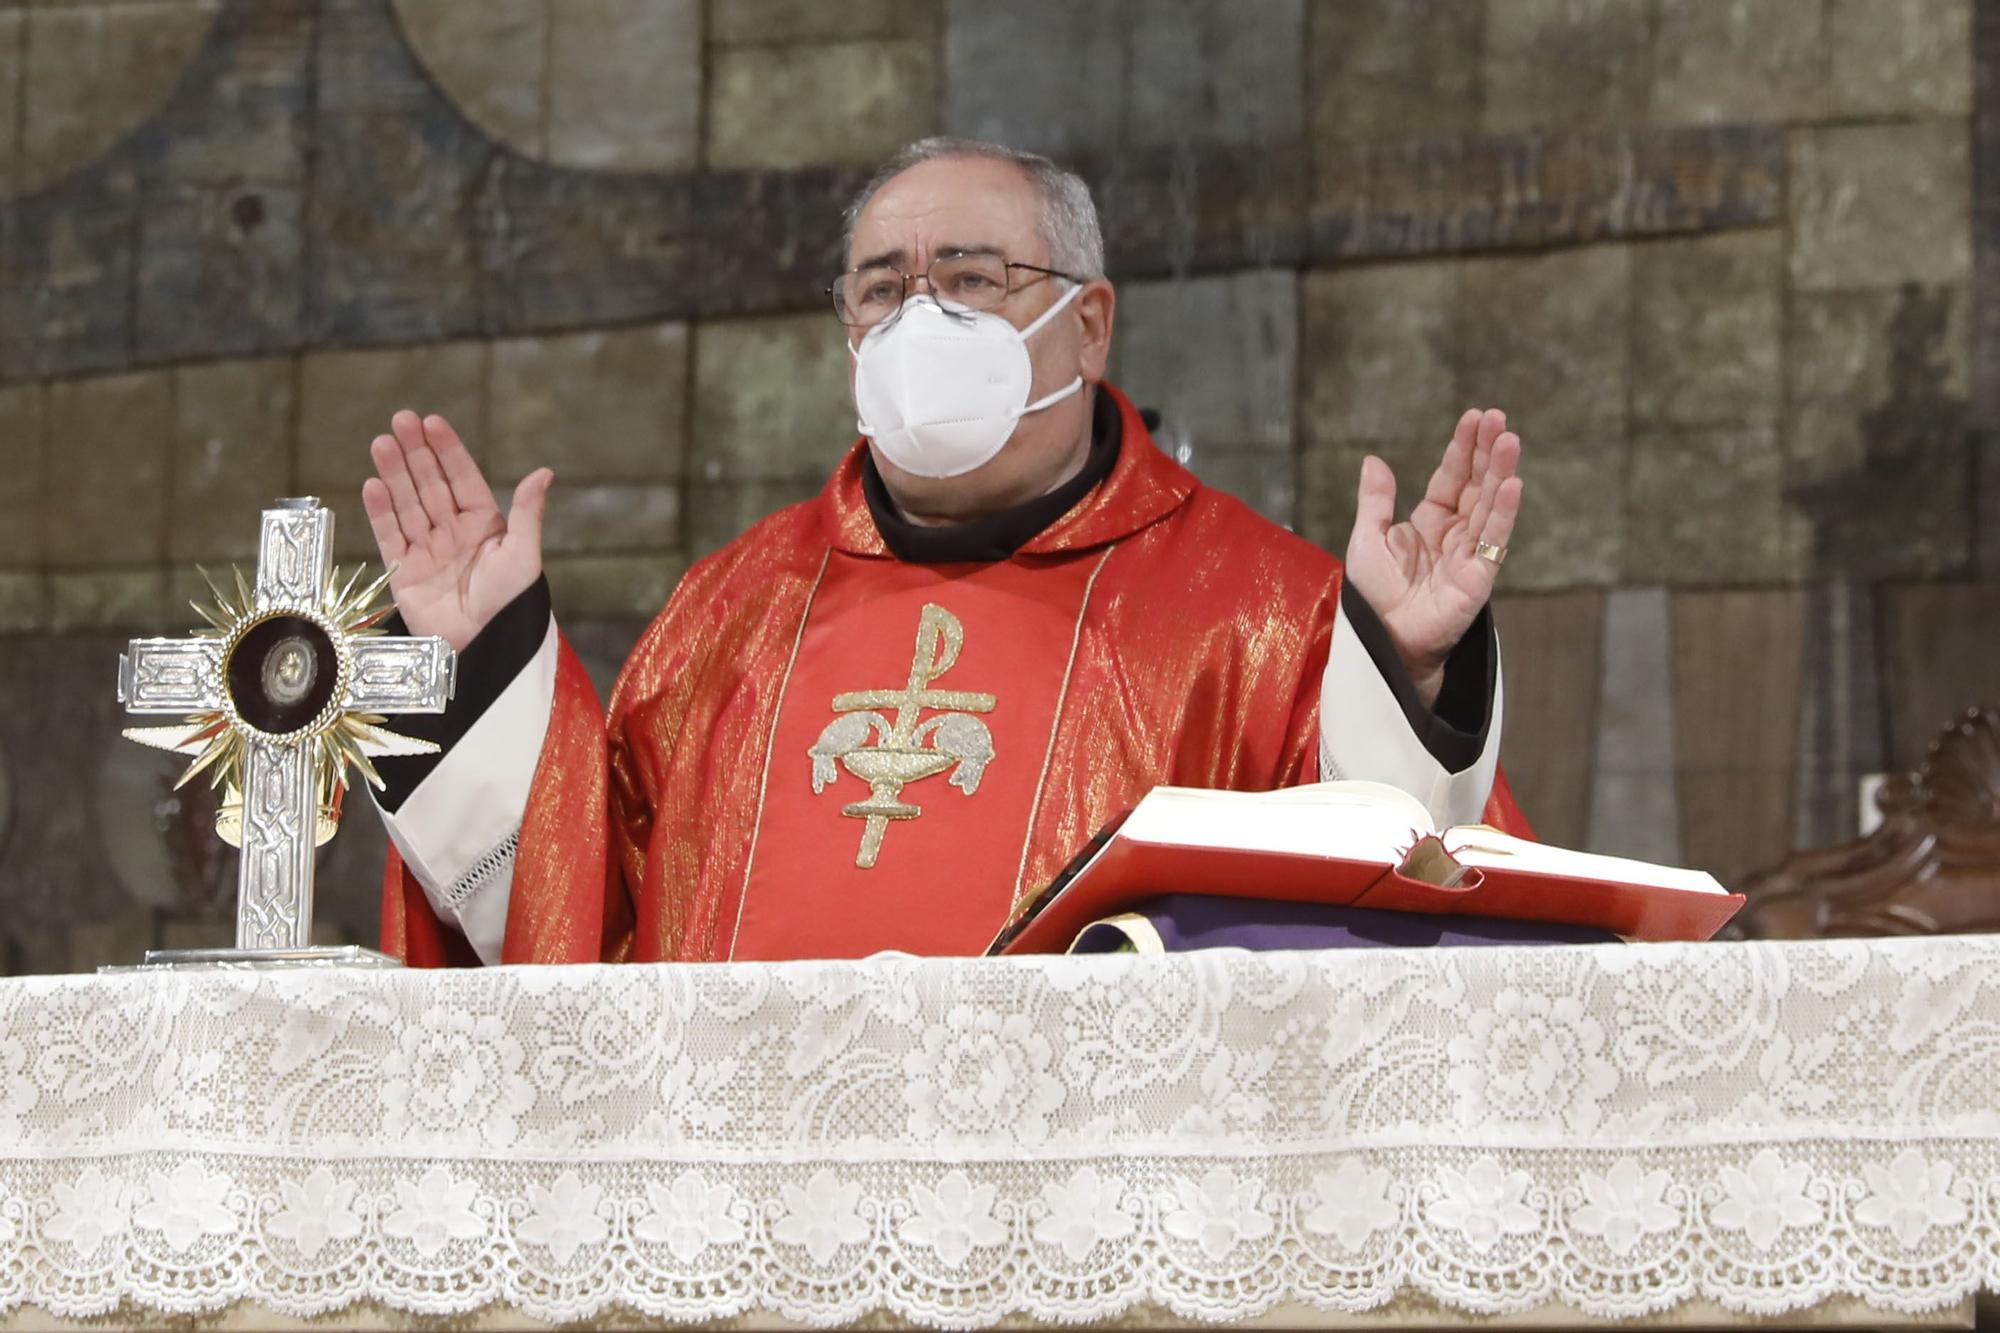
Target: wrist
1425	669
1429	681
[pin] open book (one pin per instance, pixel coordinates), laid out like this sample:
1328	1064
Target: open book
1356	844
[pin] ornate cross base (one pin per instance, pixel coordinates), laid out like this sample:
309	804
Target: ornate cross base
286	689
318	955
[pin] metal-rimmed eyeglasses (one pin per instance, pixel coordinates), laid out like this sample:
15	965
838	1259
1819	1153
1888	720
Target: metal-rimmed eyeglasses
864	297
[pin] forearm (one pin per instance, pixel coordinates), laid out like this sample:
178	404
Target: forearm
455	816
1376	725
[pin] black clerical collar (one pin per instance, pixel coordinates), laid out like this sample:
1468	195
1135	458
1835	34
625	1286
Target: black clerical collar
996	536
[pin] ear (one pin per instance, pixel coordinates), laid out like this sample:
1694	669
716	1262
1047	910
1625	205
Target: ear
1096	305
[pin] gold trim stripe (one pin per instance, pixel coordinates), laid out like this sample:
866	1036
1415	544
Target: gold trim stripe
770	744
1055	725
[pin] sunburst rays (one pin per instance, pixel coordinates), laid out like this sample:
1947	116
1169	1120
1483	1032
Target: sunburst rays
343	741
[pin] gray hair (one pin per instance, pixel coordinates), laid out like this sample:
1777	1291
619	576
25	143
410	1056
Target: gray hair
1069	218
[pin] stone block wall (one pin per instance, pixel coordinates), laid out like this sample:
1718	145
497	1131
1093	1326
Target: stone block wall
1724	264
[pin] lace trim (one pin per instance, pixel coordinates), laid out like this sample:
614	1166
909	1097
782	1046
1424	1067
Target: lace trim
1329	771
1615	1130
1906	1227
497	862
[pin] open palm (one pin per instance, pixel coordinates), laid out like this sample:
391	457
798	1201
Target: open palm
1424	577
456	559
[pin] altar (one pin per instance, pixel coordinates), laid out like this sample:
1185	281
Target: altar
1675	1133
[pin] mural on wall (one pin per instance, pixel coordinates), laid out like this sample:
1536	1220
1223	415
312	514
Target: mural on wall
6	803
445	228
1717	260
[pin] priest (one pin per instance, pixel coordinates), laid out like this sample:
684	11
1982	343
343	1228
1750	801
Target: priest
885	717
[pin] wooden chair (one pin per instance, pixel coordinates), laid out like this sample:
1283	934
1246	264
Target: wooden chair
1931	868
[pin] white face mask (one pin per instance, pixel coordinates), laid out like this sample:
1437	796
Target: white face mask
939	390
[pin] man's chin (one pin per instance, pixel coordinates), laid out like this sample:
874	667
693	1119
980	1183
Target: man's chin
940	501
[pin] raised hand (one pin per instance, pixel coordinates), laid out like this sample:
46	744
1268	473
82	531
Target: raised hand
1424	577
457	559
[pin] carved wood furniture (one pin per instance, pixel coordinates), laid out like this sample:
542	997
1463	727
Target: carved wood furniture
1932	867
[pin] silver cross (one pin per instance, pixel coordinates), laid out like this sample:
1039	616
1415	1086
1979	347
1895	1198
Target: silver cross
292	682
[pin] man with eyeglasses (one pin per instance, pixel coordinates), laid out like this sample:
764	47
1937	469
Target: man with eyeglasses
885	717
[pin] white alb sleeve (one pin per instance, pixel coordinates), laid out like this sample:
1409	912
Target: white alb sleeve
1365	735
458	830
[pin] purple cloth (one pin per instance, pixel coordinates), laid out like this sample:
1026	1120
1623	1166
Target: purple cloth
1204	921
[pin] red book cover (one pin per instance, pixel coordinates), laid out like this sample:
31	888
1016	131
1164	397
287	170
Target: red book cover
1116	874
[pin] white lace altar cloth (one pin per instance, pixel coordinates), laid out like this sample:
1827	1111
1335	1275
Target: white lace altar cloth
1616	1130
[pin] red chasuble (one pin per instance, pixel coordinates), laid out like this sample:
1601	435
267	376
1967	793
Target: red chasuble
818	750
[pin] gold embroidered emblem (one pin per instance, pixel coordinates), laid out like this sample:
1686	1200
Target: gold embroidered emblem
911	748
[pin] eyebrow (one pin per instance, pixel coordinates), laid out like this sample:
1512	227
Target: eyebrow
896	258
887	259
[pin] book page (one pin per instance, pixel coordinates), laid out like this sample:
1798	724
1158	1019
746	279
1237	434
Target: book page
1430	863
1364	821
1478	845
1369	821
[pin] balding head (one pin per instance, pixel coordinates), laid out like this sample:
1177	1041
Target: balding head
1067	217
